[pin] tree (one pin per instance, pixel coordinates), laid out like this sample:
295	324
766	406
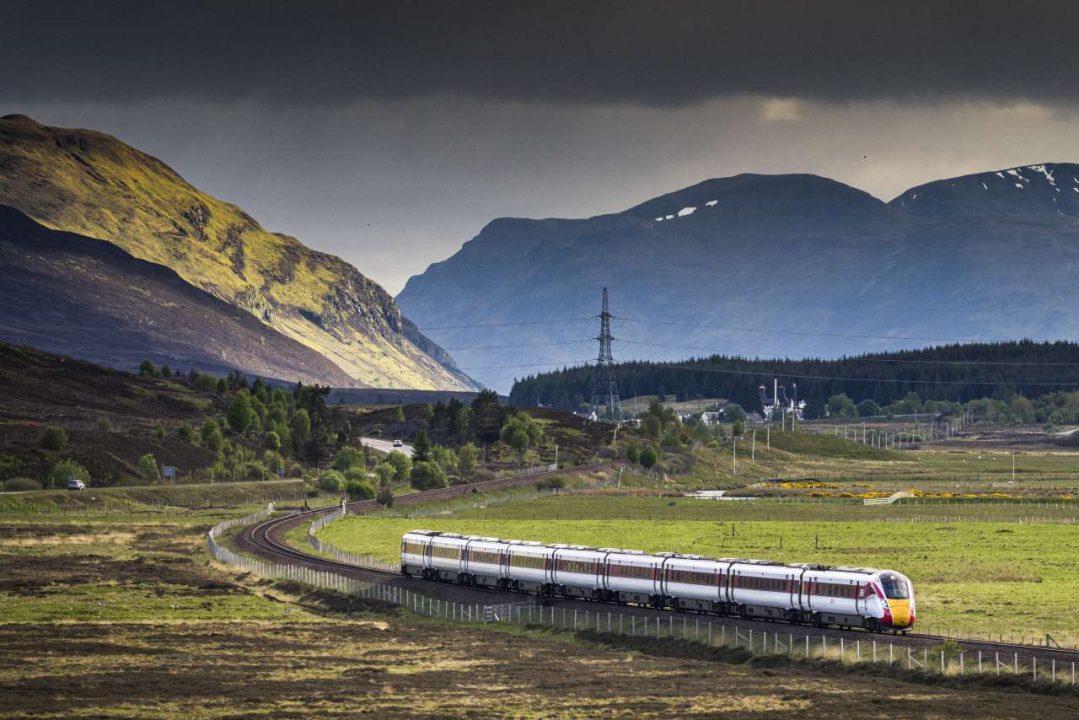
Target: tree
868	408
386	473
349	457
427	475
841	406
421	447
359	490
300	427
648	456
734	412
633	454
185	432
166	372
738	428
402	465
399	414
487	416
467	455
445	457
272	441
54	438
147	368
240	414
65	469
331	481
211	435
519	442
148	468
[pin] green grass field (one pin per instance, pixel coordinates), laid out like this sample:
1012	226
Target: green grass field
988	577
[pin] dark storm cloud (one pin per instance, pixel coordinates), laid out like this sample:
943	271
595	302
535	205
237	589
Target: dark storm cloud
662	53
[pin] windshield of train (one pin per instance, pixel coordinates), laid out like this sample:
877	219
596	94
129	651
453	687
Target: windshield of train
894	587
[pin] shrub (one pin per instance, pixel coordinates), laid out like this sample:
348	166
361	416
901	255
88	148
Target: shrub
483	475
148	469
633	454
427	476
185	432
331	481
648	456
253	471
554	483
360	490
349	457
385	496
54	438
104	424
21	484
295	470
272	441
147	368
64	469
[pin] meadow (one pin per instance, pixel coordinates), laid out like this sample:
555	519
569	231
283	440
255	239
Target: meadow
1000	576
108	617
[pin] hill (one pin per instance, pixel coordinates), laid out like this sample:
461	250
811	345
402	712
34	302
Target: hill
93	185
87	298
766	266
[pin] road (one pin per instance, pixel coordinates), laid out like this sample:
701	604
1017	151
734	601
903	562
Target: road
386	446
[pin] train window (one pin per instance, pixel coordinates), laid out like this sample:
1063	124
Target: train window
484	556
528	561
582	567
413	548
894	587
449	553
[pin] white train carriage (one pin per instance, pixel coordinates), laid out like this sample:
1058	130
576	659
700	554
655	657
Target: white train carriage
630	576
530	566
577	571
801	593
416	552
692	582
759	588
483	562
446	557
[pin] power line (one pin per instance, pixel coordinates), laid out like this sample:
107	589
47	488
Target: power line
506	324
583	362
769	331
517	345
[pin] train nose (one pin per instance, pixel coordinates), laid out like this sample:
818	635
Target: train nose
901	616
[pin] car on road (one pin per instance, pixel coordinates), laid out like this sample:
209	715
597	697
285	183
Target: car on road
397	443
75	484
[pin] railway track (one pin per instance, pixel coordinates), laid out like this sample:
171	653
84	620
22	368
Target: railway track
267	539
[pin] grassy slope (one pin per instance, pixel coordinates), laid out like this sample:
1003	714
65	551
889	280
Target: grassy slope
92	184
986	577
134	623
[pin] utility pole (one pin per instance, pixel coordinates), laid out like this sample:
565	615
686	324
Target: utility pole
735	444
753	447
604	389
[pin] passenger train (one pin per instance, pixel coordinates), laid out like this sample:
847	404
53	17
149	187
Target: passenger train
877	600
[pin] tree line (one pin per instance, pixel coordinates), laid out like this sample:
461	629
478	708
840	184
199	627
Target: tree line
956	373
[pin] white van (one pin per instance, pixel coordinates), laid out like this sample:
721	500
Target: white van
75	484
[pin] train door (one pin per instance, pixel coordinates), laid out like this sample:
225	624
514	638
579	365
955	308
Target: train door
428	549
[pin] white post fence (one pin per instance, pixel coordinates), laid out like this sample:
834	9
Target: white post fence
654	626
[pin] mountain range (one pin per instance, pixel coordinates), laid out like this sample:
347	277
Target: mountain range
765	266
109	255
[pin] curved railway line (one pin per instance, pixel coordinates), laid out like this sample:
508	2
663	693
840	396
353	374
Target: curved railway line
267	539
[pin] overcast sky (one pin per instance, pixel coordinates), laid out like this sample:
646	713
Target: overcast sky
390	133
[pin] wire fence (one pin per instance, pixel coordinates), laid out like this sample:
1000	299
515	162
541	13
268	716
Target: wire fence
365	561
945	658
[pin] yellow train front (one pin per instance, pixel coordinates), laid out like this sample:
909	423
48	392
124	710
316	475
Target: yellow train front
894	601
